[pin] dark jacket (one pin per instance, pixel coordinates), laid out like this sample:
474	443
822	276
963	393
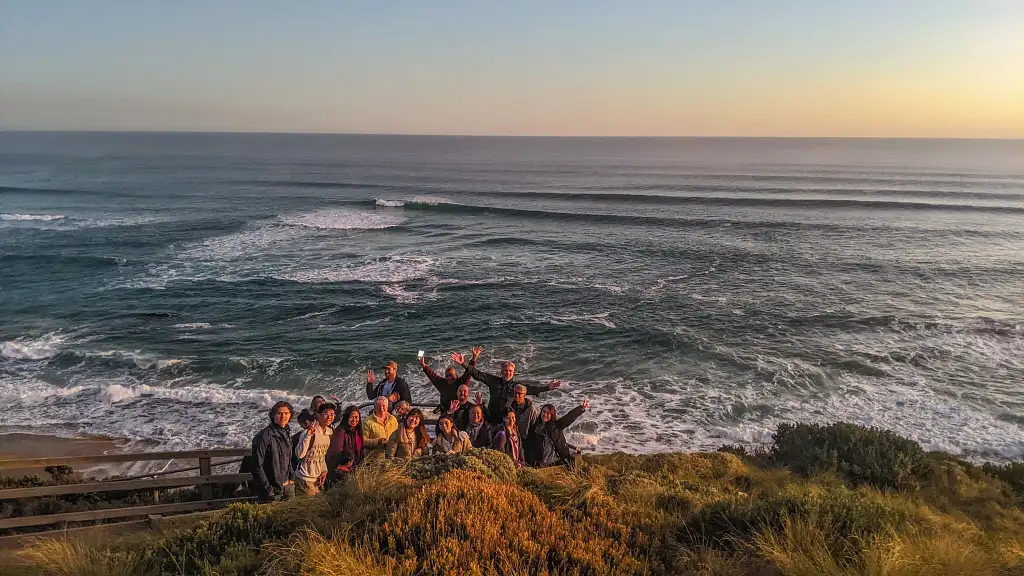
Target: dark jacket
346	447
375	390
502	393
546	445
461	415
449	390
271	461
502	443
480	435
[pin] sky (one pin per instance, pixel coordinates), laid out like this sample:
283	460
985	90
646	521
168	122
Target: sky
894	68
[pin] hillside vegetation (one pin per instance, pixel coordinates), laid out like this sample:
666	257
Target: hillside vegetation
822	500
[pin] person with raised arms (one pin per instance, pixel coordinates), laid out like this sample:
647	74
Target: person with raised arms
502	388
447	385
392	386
547	445
377	429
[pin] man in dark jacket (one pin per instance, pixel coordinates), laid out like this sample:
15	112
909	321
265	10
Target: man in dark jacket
546	445
447	385
391	386
502	388
273	475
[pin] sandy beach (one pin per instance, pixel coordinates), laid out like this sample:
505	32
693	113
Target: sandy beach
15	446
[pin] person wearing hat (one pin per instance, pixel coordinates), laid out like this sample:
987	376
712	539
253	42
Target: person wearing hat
392	386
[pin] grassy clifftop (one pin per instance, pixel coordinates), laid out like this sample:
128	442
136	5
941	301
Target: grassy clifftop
822	500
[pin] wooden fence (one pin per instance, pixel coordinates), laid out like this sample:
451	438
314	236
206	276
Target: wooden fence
205	481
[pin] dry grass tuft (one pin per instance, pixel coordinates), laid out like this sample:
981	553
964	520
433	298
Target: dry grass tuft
311	554
66	557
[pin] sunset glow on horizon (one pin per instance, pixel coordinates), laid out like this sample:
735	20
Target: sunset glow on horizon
793	68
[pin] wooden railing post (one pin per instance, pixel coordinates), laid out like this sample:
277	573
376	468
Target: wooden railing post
206	490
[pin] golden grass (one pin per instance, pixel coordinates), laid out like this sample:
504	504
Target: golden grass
70	557
699	514
311	554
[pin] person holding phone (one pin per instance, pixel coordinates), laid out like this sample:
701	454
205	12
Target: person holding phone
392	386
448	385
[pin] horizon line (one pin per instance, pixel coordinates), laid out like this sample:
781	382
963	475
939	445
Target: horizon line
508	136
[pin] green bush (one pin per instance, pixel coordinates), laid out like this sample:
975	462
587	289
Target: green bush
852	515
239	531
490	464
861	455
1012	473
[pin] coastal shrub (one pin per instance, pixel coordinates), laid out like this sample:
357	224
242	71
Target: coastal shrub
849	515
1012	473
236	533
488	463
697	466
462	523
861	455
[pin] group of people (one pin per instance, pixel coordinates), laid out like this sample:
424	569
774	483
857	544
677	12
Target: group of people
328	447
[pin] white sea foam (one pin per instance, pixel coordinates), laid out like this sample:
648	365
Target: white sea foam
343	220
427	200
371	322
39	348
192	326
382	270
405	296
601	319
422	200
31	217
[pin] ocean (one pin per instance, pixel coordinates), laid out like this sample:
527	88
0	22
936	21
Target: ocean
167	288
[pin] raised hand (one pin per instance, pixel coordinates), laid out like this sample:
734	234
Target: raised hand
458	358
453	406
335	398
476	351
479	398
423	361
586	404
369	377
554	384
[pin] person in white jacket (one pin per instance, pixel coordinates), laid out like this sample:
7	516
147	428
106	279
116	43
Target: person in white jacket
311	451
